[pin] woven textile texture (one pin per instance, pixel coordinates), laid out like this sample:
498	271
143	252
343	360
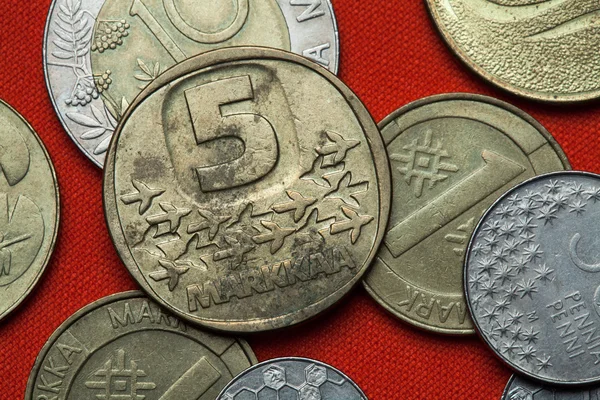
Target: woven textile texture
391	55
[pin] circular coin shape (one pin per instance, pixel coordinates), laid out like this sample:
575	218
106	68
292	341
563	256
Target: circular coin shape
452	156
244	206
519	388
540	49
292	378
29	209
531	277
99	54
125	347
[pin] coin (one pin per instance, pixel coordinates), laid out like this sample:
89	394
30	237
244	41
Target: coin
519	388
256	196
532	278
29	209
452	156
125	347
540	49
99	54
292	378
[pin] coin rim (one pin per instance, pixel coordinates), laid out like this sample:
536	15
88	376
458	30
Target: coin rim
373	139
499	83
280	359
440	98
63	327
57	210
512	366
88	153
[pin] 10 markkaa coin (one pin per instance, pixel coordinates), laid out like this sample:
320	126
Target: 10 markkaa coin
519	388
452	156
125	347
247	189
99	54
531	278
29	209
540	49
292	378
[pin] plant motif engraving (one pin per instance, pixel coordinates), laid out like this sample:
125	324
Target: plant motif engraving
147	73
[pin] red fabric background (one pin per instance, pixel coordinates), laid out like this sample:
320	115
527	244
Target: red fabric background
391	54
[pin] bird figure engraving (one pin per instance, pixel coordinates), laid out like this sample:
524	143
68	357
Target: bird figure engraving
355	223
170	271
298	205
145	196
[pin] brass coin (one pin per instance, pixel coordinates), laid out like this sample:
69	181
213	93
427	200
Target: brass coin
247	189
452	156
541	49
29	209
124	347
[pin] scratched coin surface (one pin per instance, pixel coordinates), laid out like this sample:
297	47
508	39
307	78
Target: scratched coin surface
99	54
124	347
292	378
29	209
452	156
532	272
540	49
243	206
519	388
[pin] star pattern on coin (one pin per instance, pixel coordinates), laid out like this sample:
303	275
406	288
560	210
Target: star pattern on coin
547	214
527	287
499	256
527	208
502	305
511	246
515	318
553	187
491	314
511	292
530	336
593	194
525	225
527	238
487	265
532	252
504	274
510	348
544	273
577	207
527	353
504	211
520	265
492	227
575	190
489	289
478	249
476	280
560	202
543	363
502	329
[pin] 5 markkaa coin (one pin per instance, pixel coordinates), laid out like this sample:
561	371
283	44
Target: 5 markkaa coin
125	347
452	156
99	54
256	196
531	278
29	209
519	388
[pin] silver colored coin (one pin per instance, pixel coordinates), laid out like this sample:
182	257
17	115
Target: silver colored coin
292	378
537	303
541	49
80	97
519	388
124	347
29	209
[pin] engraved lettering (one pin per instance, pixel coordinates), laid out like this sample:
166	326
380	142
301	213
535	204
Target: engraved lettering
68	352
312	11
316	54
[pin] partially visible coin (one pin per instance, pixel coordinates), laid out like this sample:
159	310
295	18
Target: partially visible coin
125	347
452	156
99	54
540	49
532	278
292	378
29	209
519	388
256	196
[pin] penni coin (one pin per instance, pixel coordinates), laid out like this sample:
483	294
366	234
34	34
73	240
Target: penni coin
452	156
99	54
292	378
519	388
29	209
125	347
256	196
540	49
532	272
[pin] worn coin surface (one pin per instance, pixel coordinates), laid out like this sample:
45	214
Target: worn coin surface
540	49
256	196
99	54
519	388
452	156
29	209
125	347
292	378
532	272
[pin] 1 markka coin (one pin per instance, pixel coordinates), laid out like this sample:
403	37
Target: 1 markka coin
125	347
541	49
452	156
292	378
29	209
99	54
247	189
532	278
519	388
